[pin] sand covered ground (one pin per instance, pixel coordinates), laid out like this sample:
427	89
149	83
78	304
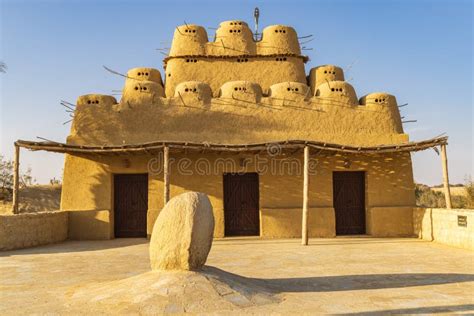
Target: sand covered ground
36	198
460	191
355	276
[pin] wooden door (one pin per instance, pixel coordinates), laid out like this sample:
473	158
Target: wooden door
130	204
241	204
349	202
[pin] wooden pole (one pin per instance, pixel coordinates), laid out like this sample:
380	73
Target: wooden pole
16	179
447	190
166	174
304	224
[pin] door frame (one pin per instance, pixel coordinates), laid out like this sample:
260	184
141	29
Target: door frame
114	217
364	195
259	220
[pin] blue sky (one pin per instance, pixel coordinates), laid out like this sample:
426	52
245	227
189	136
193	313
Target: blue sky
418	50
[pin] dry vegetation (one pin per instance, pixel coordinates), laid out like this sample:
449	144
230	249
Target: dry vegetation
462	196
35	198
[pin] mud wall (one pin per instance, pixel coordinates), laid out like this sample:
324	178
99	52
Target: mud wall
32	229
88	190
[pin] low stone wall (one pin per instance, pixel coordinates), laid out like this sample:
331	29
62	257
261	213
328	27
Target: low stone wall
445	226
32	229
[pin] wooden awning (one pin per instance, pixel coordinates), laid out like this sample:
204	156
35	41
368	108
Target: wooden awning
271	147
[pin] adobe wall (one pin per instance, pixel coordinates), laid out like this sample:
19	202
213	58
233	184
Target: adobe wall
395	221
264	71
88	186
233	54
240	115
286	222
234	38
32	229
441	225
235	89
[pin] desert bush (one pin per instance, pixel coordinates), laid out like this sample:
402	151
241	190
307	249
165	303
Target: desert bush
470	192
6	178
54	181
426	197
459	201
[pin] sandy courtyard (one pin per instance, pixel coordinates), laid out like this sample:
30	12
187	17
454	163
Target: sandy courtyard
246	275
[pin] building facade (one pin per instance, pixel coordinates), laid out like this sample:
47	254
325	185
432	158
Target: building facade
231	118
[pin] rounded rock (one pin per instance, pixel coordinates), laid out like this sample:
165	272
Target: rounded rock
182	234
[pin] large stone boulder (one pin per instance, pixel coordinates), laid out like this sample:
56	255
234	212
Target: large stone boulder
182	234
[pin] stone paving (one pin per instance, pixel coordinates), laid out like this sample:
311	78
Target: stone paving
356	276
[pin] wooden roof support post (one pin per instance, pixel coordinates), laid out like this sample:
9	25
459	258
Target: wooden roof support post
447	190
304	224
16	179
166	174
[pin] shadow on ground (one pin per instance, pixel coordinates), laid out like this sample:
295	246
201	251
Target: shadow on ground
337	282
76	246
417	310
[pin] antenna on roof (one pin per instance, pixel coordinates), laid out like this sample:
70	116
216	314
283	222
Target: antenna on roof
256	15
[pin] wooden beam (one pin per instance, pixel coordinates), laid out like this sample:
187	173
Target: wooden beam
304	224
290	144
447	190
166	174
16	179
